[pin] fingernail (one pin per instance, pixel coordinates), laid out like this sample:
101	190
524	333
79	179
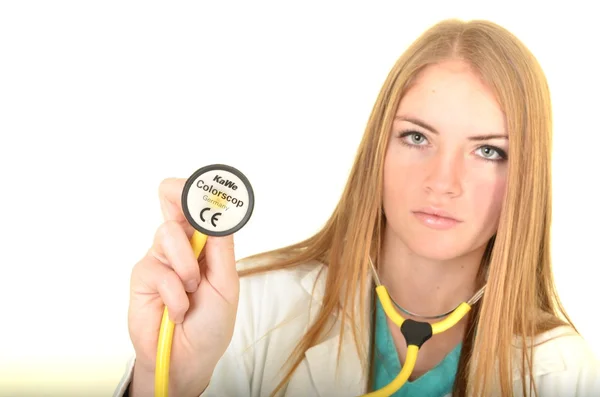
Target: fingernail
191	286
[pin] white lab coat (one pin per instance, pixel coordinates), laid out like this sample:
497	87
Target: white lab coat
275	309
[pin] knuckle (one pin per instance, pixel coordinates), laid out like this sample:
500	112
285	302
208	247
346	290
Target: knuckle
180	305
165	281
154	254
188	273
169	186
189	278
167	229
165	185
139	266
144	272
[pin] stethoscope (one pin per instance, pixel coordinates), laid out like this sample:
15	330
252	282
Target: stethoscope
416	333
218	200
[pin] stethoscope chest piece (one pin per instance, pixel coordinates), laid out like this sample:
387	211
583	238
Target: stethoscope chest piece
217	200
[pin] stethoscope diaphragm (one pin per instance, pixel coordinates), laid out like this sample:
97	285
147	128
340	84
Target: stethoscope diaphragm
217	200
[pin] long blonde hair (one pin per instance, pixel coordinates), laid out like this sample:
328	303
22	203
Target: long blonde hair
521	299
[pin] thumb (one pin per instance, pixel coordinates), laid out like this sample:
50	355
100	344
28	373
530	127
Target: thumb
220	266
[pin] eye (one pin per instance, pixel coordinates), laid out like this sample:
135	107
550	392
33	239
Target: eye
491	153
413	138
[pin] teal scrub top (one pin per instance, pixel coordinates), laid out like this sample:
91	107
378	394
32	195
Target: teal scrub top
436	383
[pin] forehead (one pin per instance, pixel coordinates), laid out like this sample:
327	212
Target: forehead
452	96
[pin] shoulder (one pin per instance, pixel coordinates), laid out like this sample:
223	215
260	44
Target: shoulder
303	280
275	309
565	345
273	312
564	364
271	297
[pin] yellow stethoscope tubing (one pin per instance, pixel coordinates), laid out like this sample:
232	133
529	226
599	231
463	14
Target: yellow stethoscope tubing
437	327
395	385
412	350
165	336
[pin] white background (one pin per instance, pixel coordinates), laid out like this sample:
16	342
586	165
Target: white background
100	101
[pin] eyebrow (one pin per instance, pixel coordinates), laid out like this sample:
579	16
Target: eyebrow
423	124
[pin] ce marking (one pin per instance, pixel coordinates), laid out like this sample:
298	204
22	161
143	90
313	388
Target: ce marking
213	219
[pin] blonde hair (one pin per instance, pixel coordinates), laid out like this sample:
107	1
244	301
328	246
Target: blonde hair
521	298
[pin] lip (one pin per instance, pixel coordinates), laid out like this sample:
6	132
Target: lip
437	212
436	218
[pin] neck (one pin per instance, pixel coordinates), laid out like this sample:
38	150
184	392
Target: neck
423	286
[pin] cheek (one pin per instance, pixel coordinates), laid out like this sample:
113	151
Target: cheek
401	178
487	199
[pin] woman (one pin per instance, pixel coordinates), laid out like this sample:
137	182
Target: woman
450	192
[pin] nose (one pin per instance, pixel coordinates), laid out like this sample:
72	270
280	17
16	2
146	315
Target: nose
443	175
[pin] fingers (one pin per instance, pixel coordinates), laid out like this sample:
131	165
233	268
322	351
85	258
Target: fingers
169	193
169	269
219	259
172	248
219	253
160	278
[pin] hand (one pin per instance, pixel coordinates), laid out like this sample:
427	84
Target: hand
201	296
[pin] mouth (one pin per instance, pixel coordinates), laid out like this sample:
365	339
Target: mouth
436	218
436	213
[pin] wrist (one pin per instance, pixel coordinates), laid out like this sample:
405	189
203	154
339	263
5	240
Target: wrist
190	384
142	382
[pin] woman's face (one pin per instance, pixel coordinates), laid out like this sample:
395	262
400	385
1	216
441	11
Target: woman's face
445	168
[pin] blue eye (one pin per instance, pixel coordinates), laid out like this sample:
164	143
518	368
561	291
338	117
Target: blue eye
413	138
491	153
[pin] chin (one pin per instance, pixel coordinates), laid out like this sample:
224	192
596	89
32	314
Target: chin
437	247
436	252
